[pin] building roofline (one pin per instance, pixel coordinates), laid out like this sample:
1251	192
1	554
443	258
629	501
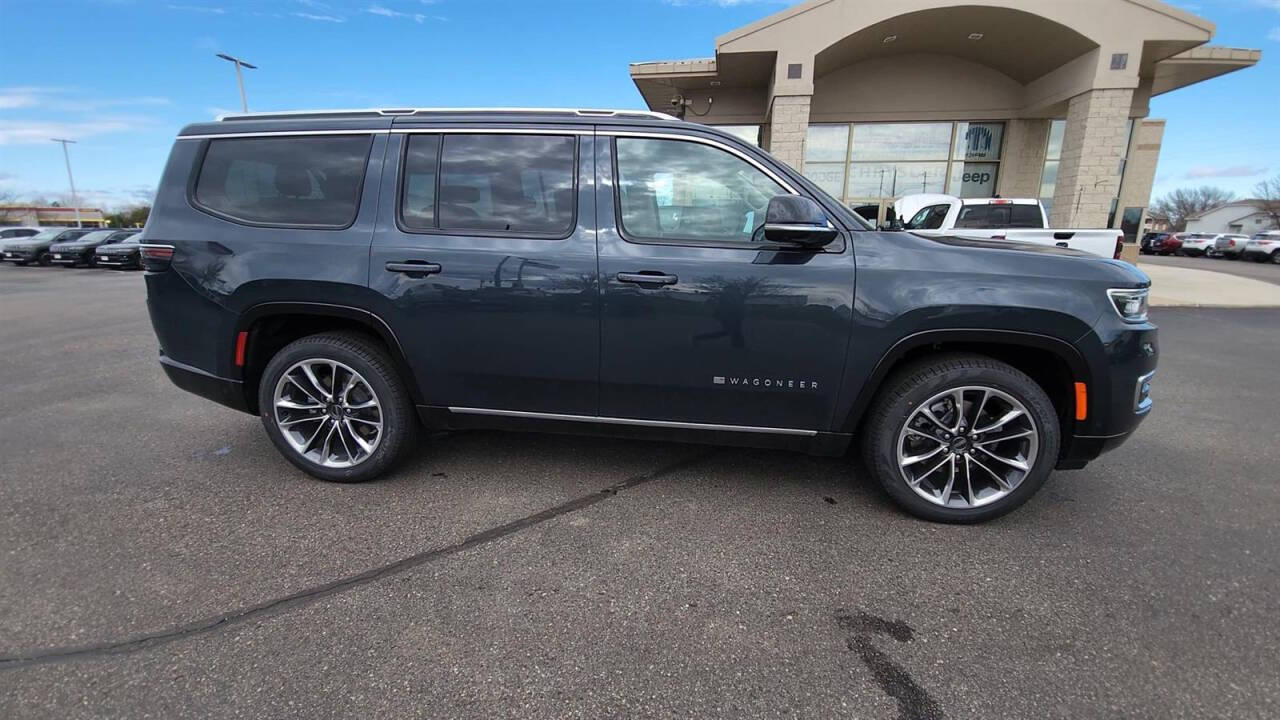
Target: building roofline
1234	203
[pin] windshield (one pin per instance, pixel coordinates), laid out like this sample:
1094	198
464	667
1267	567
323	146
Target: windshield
929	218
44	235
131	240
98	236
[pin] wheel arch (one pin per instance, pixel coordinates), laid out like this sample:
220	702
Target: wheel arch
272	325
1053	363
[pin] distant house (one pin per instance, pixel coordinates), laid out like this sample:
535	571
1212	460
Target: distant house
1158	223
45	216
1242	216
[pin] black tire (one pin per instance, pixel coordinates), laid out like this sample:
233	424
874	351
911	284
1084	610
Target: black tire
365	356
912	385
44	259
1275	257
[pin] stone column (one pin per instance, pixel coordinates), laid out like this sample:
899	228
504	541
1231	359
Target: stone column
1089	172
1025	143
788	126
1140	166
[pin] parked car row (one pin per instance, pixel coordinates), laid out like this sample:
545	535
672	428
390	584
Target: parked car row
71	247
1263	247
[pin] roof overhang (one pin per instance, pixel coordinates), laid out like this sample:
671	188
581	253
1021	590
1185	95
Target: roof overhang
1199	64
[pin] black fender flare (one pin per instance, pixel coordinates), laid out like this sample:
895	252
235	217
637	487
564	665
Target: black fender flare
1062	349
377	325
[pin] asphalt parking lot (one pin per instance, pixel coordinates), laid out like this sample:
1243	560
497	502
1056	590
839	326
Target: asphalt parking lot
161	560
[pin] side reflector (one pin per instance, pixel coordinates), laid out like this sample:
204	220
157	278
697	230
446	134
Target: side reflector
1082	401
241	339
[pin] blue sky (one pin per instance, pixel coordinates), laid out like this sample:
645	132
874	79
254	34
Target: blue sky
122	76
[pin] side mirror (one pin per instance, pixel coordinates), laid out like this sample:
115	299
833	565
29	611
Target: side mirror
796	220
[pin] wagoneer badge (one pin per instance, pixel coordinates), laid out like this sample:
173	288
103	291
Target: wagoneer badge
782	384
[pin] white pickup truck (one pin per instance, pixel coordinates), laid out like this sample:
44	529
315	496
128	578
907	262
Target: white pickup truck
1019	220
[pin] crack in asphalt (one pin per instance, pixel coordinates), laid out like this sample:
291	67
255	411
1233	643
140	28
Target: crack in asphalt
313	594
914	702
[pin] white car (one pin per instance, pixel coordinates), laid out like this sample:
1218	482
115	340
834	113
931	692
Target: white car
1012	219
1198	244
1263	247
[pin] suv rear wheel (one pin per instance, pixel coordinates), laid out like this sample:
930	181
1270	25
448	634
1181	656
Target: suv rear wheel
961	438
335	407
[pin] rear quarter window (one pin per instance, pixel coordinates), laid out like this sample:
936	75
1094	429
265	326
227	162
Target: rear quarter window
302	181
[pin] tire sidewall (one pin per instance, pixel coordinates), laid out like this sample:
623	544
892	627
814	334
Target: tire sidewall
395	419
883	440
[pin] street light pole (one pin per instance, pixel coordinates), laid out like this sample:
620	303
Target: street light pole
244	104
67	157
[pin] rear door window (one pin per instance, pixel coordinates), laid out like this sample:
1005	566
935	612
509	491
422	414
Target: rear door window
305	181
489	183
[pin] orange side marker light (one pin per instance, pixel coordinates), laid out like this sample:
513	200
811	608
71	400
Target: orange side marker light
243	337
1082	401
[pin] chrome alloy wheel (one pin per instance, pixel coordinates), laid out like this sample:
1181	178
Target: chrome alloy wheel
967	447
328	413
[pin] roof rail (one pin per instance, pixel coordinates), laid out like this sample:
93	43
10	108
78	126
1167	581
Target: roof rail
409	112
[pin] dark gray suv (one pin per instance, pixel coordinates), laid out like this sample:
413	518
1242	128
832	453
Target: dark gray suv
352	277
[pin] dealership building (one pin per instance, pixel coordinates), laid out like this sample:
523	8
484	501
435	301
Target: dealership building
1028	98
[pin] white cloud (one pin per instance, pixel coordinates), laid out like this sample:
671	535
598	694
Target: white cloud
1274	35
54	98
319	18
198	8
1230	171
388	12
31	132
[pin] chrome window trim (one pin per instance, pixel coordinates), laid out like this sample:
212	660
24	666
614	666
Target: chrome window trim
632	421
705	141
397	131
282	133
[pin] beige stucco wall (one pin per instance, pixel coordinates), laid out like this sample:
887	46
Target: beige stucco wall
788	125
914	87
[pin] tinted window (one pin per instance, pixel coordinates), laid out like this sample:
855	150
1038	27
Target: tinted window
1025	216
17	233
676	190
983	216
418	191
98	236
507	183
929	218
300	181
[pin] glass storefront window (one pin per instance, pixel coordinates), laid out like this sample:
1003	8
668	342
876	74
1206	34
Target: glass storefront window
826	143
901	141
746	133
862	162
875	180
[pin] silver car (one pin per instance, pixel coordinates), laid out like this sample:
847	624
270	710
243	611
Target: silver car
1229	246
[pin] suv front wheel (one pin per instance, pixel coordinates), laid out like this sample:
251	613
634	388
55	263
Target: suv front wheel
961	438
335	407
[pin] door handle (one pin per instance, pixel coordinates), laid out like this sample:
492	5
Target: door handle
418	268
1061	244
647	277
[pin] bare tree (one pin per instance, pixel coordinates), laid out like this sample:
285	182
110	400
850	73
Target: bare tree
1268	194
1180	204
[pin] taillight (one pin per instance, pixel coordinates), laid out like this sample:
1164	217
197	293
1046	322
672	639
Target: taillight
1119	247
156	258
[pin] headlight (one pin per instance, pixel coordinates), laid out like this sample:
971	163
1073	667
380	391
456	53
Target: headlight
1131	304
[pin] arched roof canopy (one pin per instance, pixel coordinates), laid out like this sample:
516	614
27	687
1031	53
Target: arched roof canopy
1021	45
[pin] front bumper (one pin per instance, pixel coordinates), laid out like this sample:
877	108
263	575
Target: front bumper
1260	254
1122	358
73	257
116	260
19	256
